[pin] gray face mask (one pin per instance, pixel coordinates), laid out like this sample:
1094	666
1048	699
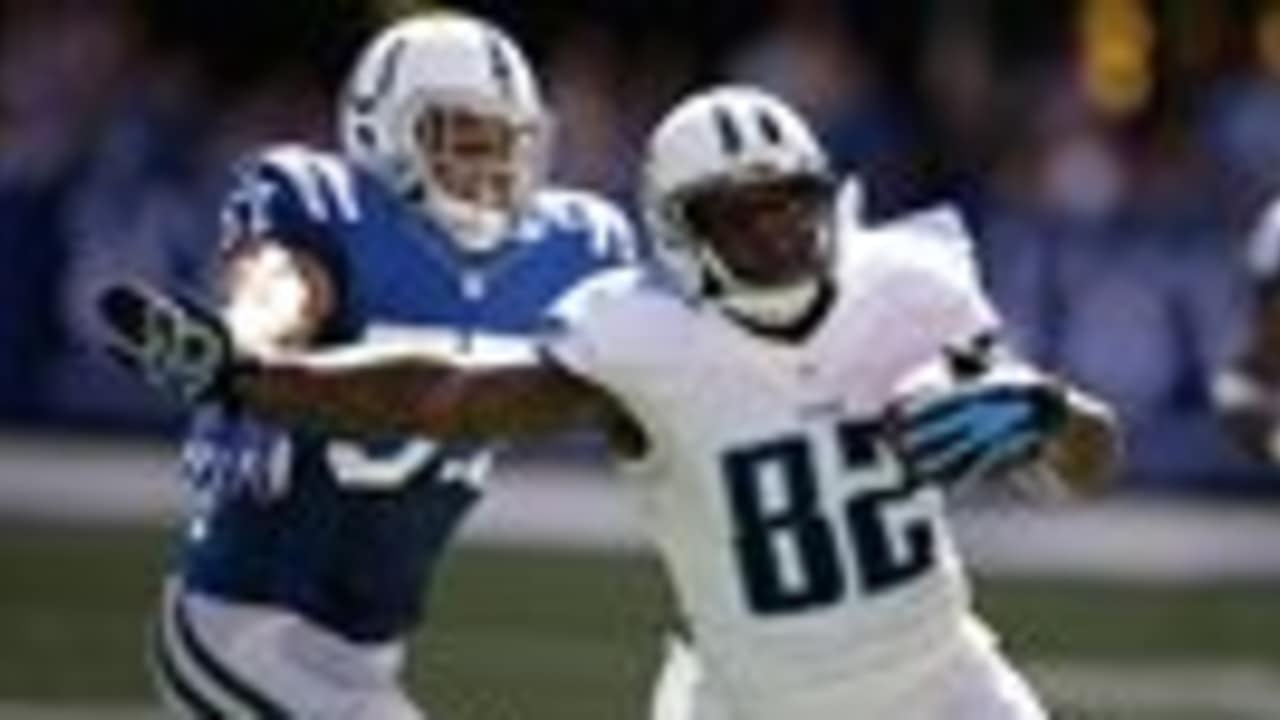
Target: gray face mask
479	172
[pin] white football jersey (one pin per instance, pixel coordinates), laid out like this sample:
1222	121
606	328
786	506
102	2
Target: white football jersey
798	554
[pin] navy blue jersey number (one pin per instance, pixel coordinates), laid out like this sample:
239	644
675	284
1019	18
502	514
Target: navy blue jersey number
786	545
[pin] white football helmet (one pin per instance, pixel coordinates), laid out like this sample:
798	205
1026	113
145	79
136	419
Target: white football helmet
725	140
445	62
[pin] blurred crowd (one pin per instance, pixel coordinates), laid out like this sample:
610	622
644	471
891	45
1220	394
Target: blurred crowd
1111	155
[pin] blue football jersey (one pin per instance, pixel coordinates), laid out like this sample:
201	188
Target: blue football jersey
342	532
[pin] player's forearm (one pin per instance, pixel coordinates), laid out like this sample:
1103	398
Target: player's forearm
1085	455
382	397
369	391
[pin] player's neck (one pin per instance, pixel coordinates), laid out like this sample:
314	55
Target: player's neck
803	327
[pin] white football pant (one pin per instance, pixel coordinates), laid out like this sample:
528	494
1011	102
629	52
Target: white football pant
214	659
973	683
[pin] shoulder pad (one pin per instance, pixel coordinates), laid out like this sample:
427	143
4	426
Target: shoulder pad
933	238
608	230
320	185
595	292
941	224
324	182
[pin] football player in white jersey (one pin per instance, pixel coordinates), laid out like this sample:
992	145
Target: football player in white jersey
793	395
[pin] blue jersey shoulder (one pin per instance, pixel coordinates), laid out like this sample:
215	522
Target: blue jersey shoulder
385	259
561	213
562	238
296	195
347	533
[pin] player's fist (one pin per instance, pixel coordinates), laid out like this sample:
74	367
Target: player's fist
173	344
974	427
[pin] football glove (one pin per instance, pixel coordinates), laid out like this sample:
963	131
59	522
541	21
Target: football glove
172	343
977	428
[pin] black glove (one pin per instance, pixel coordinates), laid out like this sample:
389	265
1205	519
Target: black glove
172	343
978	428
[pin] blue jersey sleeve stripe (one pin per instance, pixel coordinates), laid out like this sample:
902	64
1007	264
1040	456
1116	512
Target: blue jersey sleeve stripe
321	184
336	185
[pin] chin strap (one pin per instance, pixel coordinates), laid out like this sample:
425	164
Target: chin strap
773	308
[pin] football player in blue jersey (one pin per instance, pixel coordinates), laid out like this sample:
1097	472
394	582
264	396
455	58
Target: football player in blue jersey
305	559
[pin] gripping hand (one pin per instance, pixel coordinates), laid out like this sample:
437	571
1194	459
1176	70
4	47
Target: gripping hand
173	344
976	427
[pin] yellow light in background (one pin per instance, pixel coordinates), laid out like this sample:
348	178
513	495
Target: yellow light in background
1267	36
1118	20
1117	41
1119	90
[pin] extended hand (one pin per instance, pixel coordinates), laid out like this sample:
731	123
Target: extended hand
171	343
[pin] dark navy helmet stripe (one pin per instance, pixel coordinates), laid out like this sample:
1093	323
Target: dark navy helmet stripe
769	127
730	135
264	708
364	103
387	73
173	684
500	66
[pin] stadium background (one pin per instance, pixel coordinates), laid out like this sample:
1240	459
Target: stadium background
1112	155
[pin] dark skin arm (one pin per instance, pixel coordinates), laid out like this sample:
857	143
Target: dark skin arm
1085	453
357	393
277	299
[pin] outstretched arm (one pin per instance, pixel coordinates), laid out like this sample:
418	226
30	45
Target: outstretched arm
367	391
358	390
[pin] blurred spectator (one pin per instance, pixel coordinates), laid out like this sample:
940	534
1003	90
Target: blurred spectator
61	65
807	54
1111	266
146	206
591	148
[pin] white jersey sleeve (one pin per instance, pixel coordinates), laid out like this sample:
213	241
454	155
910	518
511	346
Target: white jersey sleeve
924	268
590	322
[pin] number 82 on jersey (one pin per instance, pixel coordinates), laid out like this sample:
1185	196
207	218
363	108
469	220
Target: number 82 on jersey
790	545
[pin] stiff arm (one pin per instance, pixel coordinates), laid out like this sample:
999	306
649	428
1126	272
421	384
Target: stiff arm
376	391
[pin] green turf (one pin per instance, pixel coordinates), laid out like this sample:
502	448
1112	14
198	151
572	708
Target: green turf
548	635
1106	621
